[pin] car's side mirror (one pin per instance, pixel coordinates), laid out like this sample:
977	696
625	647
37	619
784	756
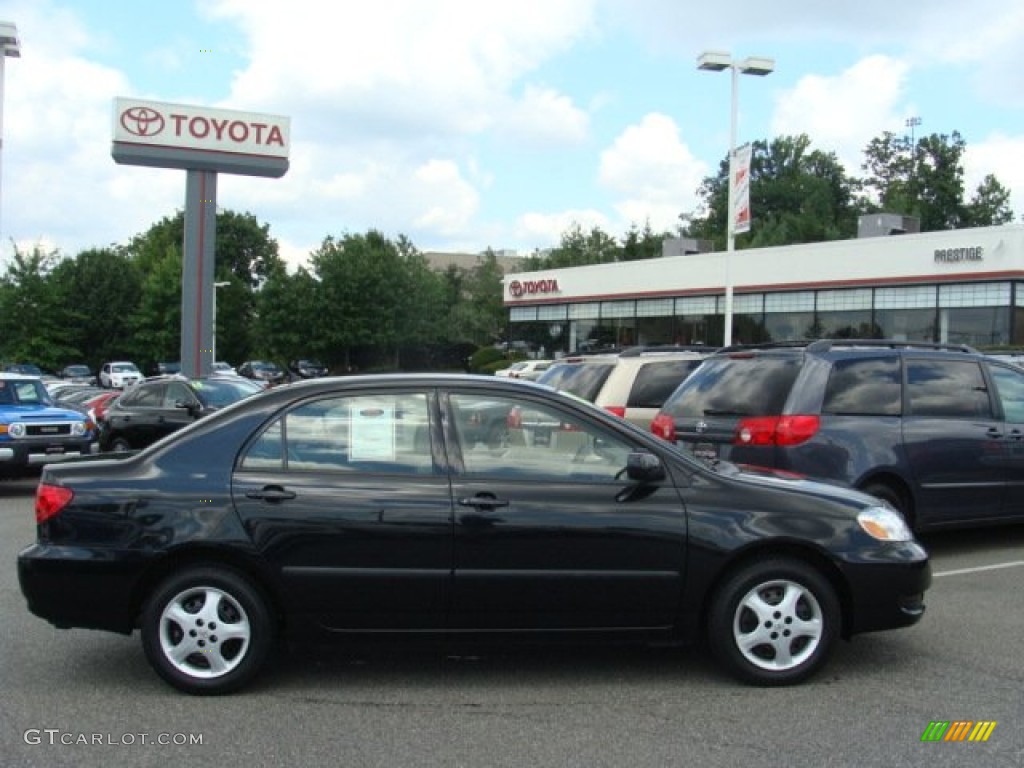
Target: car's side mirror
191	407
643	467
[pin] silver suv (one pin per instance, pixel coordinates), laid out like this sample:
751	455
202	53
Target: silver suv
632	384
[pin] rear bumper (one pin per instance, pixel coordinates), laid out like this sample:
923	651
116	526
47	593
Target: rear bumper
81	586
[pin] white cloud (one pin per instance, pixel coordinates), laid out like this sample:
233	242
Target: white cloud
548	227
844	112
653	172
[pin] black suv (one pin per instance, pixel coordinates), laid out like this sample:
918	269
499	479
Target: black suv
935	430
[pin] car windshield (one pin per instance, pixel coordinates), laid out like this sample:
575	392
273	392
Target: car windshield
269	367
583	380
77	370
732	386
217	393
124	368
23	392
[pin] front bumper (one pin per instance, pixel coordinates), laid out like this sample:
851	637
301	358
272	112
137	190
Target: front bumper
886	590
35	453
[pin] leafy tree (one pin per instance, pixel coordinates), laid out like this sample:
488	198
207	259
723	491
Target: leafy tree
641	244
98	291
797	195
473	297
30	325
926	179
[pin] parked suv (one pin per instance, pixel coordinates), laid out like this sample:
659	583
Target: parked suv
119	375
632	384
935	430
34	431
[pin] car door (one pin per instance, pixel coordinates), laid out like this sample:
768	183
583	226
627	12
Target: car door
346	498
1008	383
179	408
955	442
136	416
549	534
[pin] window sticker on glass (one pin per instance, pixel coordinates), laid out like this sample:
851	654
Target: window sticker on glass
373	432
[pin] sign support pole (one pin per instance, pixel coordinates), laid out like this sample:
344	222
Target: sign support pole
197	273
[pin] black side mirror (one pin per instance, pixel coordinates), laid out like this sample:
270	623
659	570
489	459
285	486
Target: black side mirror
642	467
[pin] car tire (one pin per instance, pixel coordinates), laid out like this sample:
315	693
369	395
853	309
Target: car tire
120	445
773	622
207	631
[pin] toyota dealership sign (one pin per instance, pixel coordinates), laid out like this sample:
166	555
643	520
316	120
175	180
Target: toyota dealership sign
191	137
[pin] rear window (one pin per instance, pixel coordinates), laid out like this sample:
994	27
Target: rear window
656	381
581	379
741	386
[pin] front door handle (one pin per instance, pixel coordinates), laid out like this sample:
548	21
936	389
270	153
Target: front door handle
271	493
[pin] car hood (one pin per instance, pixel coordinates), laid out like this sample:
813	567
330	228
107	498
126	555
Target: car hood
776	478
41	412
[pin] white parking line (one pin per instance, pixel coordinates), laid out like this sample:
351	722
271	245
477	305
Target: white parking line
980	568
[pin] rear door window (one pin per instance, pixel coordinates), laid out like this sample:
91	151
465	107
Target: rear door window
947	389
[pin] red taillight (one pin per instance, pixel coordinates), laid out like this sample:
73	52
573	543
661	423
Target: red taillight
776	430
50	500
618	410
664	426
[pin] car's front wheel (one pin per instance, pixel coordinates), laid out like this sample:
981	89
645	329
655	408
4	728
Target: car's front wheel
207	630
773	622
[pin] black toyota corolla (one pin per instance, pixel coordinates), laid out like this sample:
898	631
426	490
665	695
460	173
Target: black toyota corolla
359	505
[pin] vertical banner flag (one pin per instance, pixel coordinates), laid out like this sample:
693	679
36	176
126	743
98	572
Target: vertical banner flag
739	178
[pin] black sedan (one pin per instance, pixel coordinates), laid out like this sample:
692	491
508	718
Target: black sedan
351	506
156	407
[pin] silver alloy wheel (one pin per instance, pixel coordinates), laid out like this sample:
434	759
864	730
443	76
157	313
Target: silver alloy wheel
778	625
204	632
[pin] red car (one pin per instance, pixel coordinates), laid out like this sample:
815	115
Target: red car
97	406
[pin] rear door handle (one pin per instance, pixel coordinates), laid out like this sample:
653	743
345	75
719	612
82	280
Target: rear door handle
271	493
482	501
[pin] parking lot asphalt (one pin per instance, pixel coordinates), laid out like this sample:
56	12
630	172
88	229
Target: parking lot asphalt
82	698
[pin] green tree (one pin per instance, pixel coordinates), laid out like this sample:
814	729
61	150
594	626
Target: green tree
797	195
926	180
474	305
30	323
642	244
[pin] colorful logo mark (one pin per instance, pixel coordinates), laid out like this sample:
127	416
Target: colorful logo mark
958	730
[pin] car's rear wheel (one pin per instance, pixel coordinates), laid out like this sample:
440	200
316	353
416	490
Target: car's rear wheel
120	445
773	622
207	630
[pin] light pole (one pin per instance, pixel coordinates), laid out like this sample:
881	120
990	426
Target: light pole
716	61
213	345
9	46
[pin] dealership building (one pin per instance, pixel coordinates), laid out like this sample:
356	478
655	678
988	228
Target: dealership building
961	286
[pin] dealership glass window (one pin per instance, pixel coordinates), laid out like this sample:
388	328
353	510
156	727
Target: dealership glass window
552	312
913	297
522	314
655	330
786	326
977	326
697	305
975	295
584	311
794	301
848	324
582	335
655	308
698	329
906	324
831	301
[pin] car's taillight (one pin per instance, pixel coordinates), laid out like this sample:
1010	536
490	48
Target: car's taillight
776	430
50	500
664	426
617	410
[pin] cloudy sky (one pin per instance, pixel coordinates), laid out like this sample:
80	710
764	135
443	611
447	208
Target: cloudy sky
467	124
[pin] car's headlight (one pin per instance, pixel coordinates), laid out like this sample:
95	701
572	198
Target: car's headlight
884	524
78	428
16	429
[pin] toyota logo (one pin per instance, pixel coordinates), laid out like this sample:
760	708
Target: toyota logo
515	288
701	427
142	121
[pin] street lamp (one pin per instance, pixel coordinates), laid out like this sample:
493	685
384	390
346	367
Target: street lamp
9	46
213	344
716	61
